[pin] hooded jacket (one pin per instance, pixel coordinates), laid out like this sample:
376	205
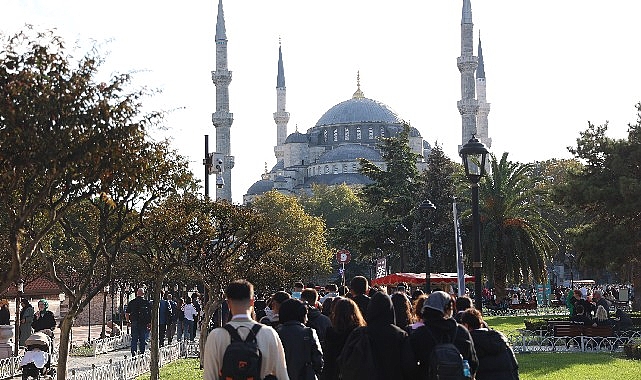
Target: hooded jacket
390	345
496	358
444	331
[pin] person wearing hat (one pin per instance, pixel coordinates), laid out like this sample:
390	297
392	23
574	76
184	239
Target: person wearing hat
440	327
5	315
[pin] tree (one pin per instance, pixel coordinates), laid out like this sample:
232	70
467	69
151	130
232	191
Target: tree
515	239
63	137
91	235
394	191
606	190
439	187
174	234
302	252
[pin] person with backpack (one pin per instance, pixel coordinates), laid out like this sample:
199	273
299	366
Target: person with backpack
303	352
138	315
243	348
391	356
442	346
496	358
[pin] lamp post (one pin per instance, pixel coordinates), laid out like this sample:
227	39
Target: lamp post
401	232
20	291
474	154
127	293
427	206
570	258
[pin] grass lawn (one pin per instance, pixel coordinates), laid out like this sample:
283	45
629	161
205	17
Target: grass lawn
577	366
182	369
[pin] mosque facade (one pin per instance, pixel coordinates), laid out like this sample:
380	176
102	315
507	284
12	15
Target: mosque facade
328	152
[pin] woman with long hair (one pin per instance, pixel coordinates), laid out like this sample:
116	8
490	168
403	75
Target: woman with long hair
345	316
402	310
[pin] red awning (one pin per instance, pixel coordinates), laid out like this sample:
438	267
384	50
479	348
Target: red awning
419	278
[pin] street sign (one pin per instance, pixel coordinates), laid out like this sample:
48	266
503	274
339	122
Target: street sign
343	256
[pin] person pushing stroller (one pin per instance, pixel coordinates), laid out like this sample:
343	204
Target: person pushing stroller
36	362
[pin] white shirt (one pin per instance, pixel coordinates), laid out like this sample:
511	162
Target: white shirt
190	311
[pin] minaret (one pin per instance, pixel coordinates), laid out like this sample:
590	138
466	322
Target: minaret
467	64
281	116
482	132
222	118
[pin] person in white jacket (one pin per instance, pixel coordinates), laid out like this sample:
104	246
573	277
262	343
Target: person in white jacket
188	323
240	298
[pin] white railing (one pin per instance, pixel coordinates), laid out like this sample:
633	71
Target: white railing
130	368
102	346
10	367
533	341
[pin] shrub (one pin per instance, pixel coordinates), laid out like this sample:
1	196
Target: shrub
632	349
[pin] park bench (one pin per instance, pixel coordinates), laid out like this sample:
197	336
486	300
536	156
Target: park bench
574	330
522	306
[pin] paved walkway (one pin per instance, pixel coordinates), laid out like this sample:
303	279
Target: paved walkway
80	334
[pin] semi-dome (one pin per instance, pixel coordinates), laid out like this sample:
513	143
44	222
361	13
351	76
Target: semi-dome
296	137
359	110
349	152
260	187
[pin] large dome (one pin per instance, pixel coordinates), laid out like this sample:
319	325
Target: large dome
359	110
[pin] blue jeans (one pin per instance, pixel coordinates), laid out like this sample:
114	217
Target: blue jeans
138	337
187	328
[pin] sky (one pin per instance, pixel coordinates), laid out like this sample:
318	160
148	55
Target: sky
551	66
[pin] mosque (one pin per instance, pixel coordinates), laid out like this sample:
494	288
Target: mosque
328	152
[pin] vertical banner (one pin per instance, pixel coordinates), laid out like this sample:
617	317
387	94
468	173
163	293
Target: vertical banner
381	268
460	268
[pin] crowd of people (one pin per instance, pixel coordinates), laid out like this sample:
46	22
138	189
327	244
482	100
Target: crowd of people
302	335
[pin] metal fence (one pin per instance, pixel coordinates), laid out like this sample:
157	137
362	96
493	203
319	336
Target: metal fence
542	341
133	367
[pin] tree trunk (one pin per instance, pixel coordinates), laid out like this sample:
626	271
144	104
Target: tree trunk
63	350
154	365
208	309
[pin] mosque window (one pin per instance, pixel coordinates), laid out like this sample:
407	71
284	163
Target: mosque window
335	134
346	134
326	169
370	133
358	133
354	168
335	169
382	131
344	168
325	135
314	170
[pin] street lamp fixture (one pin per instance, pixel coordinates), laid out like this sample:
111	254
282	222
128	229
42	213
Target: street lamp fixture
427	206
474	154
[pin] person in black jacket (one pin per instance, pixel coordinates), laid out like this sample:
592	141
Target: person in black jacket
303	352
496	358
437	317
43	319
345	317
5	315
359	289
392	352
315	319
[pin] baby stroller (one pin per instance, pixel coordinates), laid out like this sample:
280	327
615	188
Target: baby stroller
36	362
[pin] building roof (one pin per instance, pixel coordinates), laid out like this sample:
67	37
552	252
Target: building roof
349	152
359	110
38	287
338	179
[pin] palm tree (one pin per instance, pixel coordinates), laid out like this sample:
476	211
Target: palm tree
516	239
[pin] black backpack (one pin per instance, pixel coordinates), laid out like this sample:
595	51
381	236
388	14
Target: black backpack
446	362
242	358
356	360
